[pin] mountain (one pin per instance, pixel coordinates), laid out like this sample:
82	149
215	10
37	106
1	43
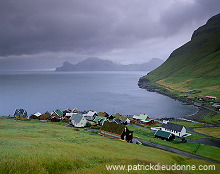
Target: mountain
96	64
195	65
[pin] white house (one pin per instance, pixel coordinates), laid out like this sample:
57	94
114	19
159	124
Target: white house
69	115
176	129
135	117
78	120
90	115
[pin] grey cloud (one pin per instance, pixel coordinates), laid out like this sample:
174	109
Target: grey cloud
94	27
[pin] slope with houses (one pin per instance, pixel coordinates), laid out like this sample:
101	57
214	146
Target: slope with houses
110	125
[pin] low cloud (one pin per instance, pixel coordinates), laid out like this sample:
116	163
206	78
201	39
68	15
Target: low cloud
48	32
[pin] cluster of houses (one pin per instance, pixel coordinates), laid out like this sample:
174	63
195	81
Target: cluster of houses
113	126
83	118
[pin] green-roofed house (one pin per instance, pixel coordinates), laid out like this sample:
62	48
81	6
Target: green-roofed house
216	106
148	121
99	120
56	116
164	135
143	117
117	131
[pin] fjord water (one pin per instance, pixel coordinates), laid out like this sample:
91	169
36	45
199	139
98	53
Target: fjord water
112	92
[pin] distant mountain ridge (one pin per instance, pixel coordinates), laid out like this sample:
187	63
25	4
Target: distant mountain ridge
195	65
96	64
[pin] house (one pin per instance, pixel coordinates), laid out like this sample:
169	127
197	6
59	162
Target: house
56	116
148	121
123	119
143	117
164	135
99	120
135	117
78	120
117	120
66	111
216	106
20	114
69	115
117	131
44	117
111	117
103	114
140	117
176	129
211	97
35	115
90	116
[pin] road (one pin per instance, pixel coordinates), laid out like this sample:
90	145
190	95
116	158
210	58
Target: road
173	150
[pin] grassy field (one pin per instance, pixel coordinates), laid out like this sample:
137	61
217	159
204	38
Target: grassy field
204	150
189	124
46	148
212	119
207	85
212	131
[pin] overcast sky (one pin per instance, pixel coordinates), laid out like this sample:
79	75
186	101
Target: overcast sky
42	34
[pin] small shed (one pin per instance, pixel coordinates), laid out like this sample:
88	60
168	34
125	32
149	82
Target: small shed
117	131
164	135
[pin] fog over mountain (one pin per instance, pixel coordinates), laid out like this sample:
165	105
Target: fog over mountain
96	64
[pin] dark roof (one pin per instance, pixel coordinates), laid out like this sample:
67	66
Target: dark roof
90	118
20	112
117	120
77	118
163	134
173	126
113	127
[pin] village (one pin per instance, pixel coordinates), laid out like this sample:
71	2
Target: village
109	125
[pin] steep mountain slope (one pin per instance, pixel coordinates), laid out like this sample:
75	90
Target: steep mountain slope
195	65
96	64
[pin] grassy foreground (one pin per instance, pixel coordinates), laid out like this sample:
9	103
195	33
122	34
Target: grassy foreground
43	147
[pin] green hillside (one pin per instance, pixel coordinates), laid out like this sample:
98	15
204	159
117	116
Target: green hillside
195	65
37	147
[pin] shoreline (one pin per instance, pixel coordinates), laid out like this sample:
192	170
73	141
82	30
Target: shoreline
202	111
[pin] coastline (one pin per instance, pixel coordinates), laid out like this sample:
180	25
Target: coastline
144	83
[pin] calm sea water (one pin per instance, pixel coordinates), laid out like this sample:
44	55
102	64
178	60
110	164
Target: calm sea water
113	92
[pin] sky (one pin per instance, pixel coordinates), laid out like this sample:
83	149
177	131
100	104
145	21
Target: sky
42	34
